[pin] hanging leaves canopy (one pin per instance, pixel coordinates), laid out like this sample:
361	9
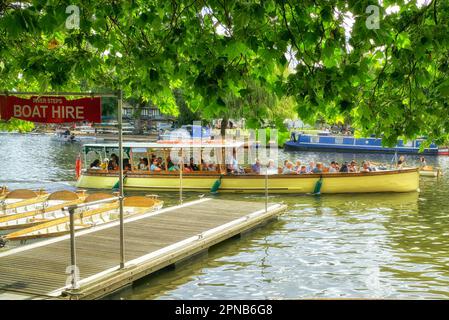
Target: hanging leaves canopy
389	81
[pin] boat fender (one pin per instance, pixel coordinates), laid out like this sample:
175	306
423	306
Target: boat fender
117	184
216	185
318	186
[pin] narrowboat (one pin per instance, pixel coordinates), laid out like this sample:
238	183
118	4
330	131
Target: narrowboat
336	143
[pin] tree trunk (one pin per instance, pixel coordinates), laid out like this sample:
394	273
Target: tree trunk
137	115
224	125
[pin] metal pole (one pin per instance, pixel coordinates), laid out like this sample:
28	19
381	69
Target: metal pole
181	169
266	190
73	248
62	93
121	193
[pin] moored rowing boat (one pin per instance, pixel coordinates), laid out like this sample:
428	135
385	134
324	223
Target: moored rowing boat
51	208
429	171
3	192
20	199
93	216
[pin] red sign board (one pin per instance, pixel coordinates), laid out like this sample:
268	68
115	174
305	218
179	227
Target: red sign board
50	109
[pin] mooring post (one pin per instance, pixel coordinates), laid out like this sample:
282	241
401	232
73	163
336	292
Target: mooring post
121	196
181	169
73	249
266	190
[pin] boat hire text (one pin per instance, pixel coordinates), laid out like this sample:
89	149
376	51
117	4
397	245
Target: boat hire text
51	109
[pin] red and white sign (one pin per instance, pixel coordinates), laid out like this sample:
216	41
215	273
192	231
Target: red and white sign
50	109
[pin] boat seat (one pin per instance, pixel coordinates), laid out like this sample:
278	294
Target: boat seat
139	201
22	194
63	195
97	196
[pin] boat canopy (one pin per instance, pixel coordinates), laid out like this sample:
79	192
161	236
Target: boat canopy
163	145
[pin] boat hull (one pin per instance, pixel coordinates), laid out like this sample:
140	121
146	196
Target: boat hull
406	180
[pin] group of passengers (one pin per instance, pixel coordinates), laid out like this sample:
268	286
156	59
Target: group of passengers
157	164
107	164
313	168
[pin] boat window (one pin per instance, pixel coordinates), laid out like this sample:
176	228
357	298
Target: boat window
339	140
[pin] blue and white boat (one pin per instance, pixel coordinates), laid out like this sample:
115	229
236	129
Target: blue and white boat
330	143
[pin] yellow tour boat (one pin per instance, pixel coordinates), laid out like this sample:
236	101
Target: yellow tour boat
401	180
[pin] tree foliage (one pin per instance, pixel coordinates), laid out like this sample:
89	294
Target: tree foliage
390	81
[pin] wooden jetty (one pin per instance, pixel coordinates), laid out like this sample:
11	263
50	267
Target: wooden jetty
152	241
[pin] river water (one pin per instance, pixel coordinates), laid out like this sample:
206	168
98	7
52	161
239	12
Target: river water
328	246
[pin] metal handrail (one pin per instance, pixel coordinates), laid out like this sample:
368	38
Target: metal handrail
85	204
71	210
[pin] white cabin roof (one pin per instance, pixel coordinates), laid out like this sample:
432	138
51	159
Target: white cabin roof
161	145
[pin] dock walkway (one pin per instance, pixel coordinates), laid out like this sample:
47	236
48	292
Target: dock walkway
152	242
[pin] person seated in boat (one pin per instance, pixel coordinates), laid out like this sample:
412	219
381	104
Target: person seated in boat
160	163
234	167
288	168
112	165
353	166
337	166
271	167
310	167
318	168
365	167
422	162
401	162
95	165
297	166
169	162
344	168
193	166
255	168
104	164
143	164
155	167
115	158
333	167
371	166
126	164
